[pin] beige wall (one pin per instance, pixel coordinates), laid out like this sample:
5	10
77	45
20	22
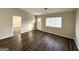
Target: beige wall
68	27
6	15
77	28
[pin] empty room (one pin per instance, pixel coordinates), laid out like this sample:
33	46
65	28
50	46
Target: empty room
39	29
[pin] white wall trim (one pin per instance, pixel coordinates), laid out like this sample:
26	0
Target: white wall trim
5	37
77	44
12	35
59	34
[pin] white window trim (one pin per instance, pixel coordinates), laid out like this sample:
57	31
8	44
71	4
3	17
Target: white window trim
55	26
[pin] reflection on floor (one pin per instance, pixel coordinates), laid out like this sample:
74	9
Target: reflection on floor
38	41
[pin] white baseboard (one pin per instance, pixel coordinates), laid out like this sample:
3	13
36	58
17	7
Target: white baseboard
37	29
27	31
12	35
77	44
5	37
58	34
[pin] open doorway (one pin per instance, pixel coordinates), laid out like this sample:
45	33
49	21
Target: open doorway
39	23
16	29
16	26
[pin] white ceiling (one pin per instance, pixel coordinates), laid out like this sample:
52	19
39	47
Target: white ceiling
40	11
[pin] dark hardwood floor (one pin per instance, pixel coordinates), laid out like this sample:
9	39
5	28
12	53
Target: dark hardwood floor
38	41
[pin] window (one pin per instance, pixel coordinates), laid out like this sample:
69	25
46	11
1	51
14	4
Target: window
54	22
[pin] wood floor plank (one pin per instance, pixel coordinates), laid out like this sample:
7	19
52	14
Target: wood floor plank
38	41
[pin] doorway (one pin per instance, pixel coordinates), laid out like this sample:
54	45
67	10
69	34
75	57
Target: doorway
16	26
39	23
16	29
